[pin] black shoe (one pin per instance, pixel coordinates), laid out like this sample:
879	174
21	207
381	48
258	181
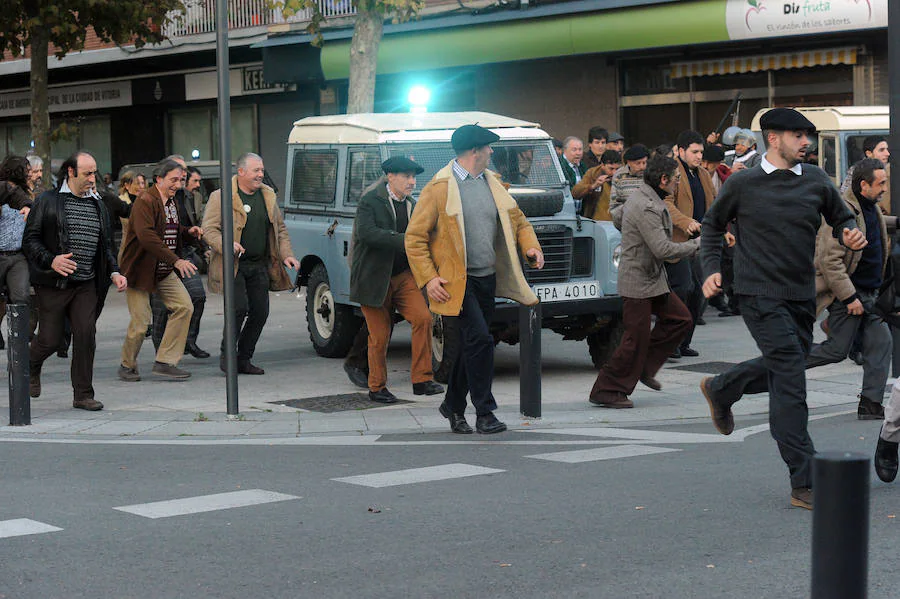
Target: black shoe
675	355
427	388
488	424
194	350
886	460
248	368
700	322
726	313
458	422
383	396
687	352
735	310
2	342
857	357
869	410
357	376
34	384
62	353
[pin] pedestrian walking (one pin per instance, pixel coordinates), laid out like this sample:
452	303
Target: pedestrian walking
461	245
69	246
262	250
779	206
15	203
886	451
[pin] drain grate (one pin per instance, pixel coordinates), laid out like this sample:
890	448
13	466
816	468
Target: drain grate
335	403
707	367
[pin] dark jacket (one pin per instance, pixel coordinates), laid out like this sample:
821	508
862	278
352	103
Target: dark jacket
47	236
13	196
375	242
569	173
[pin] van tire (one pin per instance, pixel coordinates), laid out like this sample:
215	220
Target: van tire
604	342
331	326
539	204
444	346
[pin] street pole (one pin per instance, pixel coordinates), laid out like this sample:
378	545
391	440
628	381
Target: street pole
17	363
231	382
530	320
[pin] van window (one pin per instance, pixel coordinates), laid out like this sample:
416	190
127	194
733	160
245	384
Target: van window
829	155
314	178
363	170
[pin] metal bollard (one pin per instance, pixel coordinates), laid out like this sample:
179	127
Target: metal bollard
17	363
530	320
840	539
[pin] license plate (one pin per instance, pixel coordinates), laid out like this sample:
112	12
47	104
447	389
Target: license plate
562	292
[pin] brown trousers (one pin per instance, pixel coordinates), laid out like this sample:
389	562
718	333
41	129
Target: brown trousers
643	351
407	298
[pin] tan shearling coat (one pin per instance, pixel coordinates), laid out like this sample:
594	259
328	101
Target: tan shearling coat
436	242
681	205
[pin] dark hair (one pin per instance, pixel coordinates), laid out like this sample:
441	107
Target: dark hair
661	150
70	163
714	154
864	170
15	169
686	138
557	143
872	141
597	133
165	167
193	170
657	167
611	157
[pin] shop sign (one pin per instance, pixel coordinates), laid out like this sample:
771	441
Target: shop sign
748	19
89	96
253	82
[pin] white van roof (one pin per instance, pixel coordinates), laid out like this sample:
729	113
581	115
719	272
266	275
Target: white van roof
374	128
841	118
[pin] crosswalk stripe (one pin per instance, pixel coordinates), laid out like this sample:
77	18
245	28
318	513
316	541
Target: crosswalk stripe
600	453
21	527
416	475
204	503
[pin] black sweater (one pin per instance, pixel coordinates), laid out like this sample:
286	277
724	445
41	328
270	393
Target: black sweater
778	215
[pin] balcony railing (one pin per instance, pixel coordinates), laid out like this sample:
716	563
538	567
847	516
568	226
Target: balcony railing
200	15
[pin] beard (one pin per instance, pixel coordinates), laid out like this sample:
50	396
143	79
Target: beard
792	159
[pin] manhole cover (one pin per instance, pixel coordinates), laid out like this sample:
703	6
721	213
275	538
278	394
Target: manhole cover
335	403
708	367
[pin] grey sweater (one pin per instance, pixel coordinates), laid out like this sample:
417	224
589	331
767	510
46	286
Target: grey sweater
480	222
778	216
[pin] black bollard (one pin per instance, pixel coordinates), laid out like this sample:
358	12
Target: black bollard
17	363
840	539
530	360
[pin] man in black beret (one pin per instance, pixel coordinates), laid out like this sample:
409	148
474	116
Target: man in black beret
778	206
380	279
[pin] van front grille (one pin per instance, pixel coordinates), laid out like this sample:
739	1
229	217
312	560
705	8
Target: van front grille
556	243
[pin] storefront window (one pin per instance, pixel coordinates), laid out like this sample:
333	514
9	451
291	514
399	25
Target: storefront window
90	134
195	133
18	138
243	131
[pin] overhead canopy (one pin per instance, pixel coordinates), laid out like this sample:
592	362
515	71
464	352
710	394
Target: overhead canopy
765	62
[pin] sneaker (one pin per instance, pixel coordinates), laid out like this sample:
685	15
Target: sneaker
869	410
128	374
90	404
802	497
170	371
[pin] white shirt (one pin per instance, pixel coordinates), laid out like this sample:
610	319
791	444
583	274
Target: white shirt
771	168
576	170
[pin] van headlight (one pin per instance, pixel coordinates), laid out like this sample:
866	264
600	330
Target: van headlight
617	256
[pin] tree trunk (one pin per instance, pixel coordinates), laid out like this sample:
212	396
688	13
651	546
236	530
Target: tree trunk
367	33
40	110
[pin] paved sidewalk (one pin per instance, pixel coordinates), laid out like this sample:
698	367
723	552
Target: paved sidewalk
155	409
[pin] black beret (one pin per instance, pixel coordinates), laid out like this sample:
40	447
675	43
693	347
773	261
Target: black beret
615	136
401	164
472	136
786	119
636	152
714	154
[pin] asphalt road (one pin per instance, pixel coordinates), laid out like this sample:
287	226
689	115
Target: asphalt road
702	518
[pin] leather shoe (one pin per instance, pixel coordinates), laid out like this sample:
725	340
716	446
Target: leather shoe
886	460
869	410
611	399
488	424
701	322
722	418
802	497
357	376
676	354
91	404
427	388
248	368
34	384
382	396
688	352
458	422
194	350
651	382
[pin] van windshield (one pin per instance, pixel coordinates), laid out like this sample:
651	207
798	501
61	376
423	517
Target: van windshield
519	163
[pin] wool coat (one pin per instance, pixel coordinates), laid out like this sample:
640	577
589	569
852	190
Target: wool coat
681	204
594	202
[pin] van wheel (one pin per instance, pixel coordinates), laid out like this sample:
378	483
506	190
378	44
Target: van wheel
444	345
604	342
332	326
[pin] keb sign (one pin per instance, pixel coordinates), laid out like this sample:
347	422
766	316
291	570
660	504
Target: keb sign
748	19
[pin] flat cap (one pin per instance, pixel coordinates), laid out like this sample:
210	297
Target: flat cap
615	136
636	152
472	136
786	119
714	154
401	164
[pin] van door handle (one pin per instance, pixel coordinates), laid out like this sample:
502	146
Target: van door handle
330	231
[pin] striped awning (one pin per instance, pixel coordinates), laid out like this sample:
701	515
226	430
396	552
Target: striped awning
765	62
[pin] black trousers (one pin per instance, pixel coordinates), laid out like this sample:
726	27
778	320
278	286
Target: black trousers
251	306
783	331
682	279
77	303
473	366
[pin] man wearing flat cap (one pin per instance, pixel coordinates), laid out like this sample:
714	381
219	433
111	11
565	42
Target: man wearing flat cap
778	206
461	243
381	281
626	180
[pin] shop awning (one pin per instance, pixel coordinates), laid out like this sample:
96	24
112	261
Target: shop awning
765	62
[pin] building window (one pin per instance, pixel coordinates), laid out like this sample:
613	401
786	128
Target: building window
194	133
314	177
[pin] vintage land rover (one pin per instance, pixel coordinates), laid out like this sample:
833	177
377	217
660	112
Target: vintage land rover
332	159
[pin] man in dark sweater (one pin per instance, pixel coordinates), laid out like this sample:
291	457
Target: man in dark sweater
778	206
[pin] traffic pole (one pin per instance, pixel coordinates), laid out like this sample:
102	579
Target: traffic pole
222	71
840	539
17	363
530	320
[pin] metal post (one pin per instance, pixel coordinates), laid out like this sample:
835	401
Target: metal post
17	335
231	382
840	539
530	360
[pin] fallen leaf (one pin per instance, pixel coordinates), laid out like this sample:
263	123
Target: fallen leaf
892	515
710	565
505	565
638	507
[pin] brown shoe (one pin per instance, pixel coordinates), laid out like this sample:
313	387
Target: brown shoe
649	381
129	374
170	371
34	384
611	399
91	405
722	418
802	497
